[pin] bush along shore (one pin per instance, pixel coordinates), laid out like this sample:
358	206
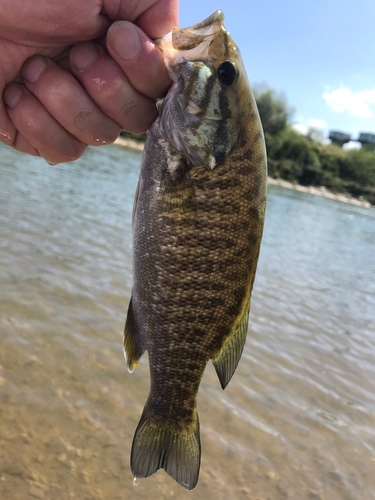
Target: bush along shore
303	162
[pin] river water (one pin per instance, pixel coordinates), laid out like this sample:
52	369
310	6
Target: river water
296	422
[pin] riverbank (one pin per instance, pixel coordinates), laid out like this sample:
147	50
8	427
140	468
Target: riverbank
129	143
318	191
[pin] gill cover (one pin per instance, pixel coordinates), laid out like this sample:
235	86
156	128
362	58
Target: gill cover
199	115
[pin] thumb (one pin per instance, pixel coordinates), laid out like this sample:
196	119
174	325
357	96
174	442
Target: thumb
155	17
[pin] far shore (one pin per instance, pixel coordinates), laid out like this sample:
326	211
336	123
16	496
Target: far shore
319	191
129	143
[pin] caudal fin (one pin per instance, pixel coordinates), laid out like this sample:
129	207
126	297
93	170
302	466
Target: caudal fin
155	447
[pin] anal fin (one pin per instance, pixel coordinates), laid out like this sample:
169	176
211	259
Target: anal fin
133	345
227	359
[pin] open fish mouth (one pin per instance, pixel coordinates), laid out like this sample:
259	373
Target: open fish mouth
213	18
182	39
190	43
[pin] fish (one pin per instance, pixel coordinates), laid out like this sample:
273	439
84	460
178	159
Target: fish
197	228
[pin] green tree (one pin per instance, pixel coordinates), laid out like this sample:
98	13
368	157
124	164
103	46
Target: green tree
273	109
306	159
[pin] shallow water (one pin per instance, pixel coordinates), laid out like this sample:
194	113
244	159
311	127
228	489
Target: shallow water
296	422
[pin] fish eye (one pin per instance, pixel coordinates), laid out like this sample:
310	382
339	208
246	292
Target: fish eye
227	73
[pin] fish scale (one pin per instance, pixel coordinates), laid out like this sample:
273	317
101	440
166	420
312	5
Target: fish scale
198	223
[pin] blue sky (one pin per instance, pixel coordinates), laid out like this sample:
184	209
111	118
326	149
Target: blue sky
320	53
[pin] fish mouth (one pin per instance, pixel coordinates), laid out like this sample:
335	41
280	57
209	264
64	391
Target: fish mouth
189	44
191	37
213	18
182	39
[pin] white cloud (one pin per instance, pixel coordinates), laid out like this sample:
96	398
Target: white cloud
343	100
316	123
368	96
352	145
301	129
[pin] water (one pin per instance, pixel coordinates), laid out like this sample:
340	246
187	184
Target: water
296	422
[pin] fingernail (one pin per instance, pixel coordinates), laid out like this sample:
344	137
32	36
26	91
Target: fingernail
126	42
82	56
34	69
46	160
12	95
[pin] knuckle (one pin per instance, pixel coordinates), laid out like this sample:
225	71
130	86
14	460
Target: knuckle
129	107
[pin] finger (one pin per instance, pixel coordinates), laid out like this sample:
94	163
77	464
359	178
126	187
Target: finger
110	89
52	22
139	58
159	19
9	134
65	99
39	133
22	144
8	131
154	17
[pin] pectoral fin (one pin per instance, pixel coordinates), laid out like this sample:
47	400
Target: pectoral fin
227	359
133	345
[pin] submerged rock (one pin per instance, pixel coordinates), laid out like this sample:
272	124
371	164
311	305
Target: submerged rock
17	470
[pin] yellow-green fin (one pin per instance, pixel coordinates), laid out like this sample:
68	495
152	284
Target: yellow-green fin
174	449
133	346
227	359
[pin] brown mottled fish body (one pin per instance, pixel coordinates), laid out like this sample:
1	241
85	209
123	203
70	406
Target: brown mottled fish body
198	225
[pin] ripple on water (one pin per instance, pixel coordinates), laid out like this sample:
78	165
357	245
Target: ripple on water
298	418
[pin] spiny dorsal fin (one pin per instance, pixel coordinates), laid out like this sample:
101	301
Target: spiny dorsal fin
133	346
227	359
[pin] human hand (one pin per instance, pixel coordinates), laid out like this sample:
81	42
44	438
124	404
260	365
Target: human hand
68	96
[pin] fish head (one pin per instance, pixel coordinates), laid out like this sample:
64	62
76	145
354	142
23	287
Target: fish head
200	115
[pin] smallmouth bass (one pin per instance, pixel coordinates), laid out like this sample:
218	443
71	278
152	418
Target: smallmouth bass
197	228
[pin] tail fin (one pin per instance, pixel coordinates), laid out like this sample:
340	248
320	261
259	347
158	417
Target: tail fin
178	452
